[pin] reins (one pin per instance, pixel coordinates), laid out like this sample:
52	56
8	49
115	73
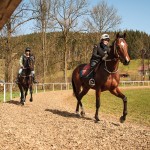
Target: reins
106	69
114	59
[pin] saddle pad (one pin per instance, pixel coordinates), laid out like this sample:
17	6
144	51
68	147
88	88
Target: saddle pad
85	71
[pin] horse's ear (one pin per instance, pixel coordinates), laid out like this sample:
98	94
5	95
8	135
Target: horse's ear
118	35
124	35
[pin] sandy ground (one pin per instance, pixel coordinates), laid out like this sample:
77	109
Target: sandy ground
49	123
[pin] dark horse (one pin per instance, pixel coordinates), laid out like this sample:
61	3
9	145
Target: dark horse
106	77
26	80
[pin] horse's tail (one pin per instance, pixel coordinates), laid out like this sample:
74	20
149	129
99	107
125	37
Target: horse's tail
73	87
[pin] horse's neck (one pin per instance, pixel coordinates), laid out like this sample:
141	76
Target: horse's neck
112	62
26	72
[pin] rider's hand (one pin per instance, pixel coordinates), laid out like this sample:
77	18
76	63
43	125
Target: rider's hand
105	57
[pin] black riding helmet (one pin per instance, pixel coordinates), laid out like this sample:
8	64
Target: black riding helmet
27	49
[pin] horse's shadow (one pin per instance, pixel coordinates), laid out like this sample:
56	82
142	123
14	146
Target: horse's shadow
66	114
14	102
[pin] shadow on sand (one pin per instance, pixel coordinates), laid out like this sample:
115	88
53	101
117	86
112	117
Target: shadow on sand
66	114
14	102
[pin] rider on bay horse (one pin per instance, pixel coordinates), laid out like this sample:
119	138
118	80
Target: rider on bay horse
100	53
23	64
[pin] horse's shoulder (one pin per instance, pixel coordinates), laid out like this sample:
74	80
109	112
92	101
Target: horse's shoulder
32	57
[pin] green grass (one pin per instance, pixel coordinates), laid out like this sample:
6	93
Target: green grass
14	95
132	68
138	104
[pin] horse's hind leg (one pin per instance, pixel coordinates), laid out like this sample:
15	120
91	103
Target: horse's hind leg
79	103
118	93
97	104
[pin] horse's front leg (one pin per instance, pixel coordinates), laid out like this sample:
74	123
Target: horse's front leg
31	92
119	94
22	99
26	92
97	104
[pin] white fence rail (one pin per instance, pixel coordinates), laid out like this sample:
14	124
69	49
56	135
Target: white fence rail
9	88
135	83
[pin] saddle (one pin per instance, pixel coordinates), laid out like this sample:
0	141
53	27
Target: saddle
87	72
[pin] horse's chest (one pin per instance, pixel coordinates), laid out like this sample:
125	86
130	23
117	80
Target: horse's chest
111	82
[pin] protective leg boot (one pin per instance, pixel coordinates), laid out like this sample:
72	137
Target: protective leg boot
34	81
17	79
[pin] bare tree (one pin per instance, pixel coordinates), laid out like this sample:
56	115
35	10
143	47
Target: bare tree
102	18
65	16
42	16
19	17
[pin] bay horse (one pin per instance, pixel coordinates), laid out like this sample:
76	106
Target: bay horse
106	77
26	80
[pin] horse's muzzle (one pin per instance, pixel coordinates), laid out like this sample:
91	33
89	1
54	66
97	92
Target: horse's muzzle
126	62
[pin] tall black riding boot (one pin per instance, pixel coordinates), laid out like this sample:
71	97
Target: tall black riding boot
92	80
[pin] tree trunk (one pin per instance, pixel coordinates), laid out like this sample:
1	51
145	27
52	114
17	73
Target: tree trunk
65	59
8	54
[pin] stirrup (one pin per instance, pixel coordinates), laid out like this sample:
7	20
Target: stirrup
92	82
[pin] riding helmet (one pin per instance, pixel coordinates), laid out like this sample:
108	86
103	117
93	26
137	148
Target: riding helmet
104	36
27	49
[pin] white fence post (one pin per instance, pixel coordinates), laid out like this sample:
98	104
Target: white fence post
44	87
4	92
11	91
36	89
53	86
61	86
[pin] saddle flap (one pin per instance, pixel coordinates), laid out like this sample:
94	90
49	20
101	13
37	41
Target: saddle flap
85	71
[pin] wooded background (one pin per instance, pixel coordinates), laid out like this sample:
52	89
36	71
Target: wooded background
64	34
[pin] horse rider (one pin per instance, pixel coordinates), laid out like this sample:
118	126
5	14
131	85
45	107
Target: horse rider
100	53
23	64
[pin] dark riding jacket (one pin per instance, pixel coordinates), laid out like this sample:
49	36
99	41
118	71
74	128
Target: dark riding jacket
99	52
24	60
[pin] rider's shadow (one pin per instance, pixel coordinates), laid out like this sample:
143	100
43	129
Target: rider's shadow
66	114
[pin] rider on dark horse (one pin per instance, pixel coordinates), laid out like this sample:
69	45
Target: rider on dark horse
100	53
24	64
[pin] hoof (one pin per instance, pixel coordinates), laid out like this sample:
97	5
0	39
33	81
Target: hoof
31	100
82	113
77	114
22	103
122	119
97	118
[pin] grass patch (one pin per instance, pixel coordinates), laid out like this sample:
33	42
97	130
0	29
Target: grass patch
138	104
14	95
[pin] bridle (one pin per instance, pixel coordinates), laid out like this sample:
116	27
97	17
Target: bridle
113	59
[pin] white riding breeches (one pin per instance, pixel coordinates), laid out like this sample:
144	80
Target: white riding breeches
32	72
20	70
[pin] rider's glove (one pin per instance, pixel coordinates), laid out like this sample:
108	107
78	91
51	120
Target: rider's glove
105	57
